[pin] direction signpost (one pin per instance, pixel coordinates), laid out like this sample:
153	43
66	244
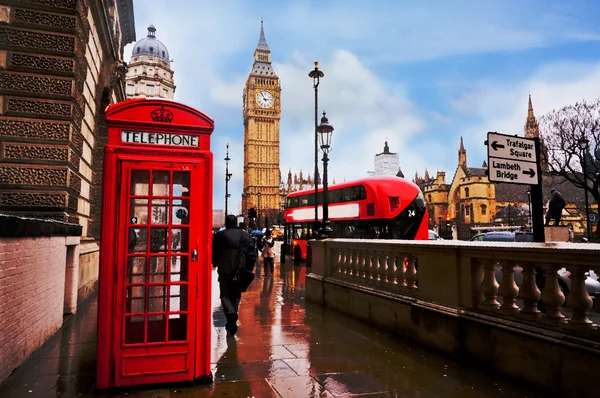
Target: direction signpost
515	160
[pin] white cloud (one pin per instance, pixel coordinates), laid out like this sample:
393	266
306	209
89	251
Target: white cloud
503	108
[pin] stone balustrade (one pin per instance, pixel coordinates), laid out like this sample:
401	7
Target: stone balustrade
471	275
477	301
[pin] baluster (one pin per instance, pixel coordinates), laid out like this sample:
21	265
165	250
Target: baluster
350	264
489	287
580	301
552	296
411	272
399	274
361	263
335	257
529	293
373	267
508	289
344	263
368	265
380	277
391	263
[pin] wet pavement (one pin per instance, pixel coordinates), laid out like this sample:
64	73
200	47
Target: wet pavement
284	348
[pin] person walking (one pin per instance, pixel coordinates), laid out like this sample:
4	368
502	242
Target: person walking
268	254
232	248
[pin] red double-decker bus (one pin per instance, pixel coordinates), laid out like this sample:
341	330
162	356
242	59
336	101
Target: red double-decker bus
370	208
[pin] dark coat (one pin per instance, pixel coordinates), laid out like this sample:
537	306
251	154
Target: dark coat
557	204
226	255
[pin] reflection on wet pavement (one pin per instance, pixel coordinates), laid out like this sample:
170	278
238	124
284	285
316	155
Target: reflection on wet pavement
284	348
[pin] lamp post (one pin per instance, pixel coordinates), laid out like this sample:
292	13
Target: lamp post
325	131
529	205
227	178
584	144
316	75
258	212
509	209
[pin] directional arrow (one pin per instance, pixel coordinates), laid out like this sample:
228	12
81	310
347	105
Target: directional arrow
529	172
495	145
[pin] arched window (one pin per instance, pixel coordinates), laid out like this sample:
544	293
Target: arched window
472	210
151	49
429	198
483	209
139	49
467	212
466	192
163	53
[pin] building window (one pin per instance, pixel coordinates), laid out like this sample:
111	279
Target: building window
483	209
163	53
429	198
467	212
466	192
151	49
139	49
150	89
130	89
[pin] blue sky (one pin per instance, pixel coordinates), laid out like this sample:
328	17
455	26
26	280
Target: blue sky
419	74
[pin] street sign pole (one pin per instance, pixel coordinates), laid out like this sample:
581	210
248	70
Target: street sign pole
537	201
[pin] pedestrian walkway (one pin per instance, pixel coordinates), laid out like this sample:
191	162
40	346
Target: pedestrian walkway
284	348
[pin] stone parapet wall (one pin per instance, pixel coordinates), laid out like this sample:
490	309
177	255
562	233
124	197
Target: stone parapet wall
38	284
475	301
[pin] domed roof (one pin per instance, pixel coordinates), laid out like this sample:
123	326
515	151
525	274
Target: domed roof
151	46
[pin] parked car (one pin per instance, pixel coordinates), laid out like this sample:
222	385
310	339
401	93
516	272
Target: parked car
504	236
592	284
434	235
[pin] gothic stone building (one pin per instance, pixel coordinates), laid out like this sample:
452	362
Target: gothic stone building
470	200
261	112
60	66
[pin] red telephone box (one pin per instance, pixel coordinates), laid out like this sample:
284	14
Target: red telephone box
154	306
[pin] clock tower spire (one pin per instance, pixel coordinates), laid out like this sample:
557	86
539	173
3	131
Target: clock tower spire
262	112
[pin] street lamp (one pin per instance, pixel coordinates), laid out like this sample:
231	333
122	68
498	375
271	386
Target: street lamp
227	178
316	75
584	144
325	132
258	212
529	206
509	209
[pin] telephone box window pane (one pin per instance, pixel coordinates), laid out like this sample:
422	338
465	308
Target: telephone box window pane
160	183
179	269
178	298
158	269
156	299
178	327
180	240
181	183
158	240
134	329
157	328
138	240
136	270
138	213
135	300
180	213
139	182
160	211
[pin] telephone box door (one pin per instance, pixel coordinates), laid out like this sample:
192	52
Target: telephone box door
157	272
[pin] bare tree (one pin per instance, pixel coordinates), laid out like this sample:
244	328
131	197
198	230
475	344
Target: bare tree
562	131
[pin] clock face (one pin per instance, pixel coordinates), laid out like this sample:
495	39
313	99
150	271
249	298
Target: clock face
265	99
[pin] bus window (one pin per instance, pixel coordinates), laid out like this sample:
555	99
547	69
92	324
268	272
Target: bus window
335	196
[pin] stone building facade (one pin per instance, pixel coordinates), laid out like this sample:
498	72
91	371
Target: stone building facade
261	113
471	200
60	66
149	72
386	164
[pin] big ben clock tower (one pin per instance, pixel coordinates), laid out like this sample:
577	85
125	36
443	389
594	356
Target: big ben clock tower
262	111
